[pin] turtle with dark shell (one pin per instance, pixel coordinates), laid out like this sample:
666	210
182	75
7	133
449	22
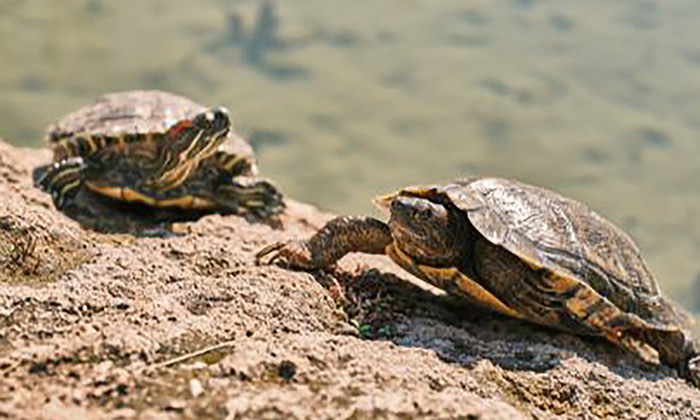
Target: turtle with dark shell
155	149
519	250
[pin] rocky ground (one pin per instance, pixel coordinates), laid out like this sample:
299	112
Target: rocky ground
185	325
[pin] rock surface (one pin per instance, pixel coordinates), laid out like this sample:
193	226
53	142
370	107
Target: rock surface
96	325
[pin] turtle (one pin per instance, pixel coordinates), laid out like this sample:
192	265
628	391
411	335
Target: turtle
157	149
519	250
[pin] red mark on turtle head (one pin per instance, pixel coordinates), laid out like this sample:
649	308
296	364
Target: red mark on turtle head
181	125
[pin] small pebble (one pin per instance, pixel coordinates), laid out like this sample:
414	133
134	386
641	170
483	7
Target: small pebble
287	370
196	388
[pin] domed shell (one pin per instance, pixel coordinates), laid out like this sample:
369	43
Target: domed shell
552	232
137	111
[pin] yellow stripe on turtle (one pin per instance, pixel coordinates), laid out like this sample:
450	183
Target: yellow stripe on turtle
244	189
595	310
121	141
188	202
174	177
228	161
90	141
187	154
452	277
254	203
85	144
64	189
127	194
183	166
64	149
121	193
149	138
64	172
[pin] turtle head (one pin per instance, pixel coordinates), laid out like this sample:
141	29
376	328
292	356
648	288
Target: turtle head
199	137
428	231
189	142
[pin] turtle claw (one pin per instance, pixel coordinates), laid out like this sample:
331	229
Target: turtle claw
293	253
693	372
265	252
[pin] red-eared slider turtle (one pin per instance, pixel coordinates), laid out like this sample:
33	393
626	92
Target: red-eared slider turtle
519	250
157	149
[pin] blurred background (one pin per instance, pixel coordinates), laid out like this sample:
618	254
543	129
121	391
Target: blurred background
343	100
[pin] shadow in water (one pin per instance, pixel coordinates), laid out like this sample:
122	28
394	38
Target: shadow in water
256	45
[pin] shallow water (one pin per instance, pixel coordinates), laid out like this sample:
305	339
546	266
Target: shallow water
343	100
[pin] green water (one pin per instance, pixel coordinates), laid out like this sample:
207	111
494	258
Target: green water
342	99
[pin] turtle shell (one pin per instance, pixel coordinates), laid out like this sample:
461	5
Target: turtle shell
135	112
137	147
551	232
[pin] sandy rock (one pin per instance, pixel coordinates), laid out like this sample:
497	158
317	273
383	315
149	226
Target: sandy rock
101	325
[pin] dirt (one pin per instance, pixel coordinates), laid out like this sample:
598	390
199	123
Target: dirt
185	325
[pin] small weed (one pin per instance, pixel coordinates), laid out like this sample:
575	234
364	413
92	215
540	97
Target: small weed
31	253
369	306
19	246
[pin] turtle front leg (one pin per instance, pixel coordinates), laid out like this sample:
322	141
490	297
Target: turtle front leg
61	179
256	196
688	366
338	237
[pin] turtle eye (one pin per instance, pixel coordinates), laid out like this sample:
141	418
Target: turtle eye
422	215
218	118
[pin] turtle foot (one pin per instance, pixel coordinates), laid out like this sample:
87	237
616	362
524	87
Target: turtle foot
257	196
293	253
693	370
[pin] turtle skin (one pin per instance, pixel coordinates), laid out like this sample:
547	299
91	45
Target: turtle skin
157	149
519	250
